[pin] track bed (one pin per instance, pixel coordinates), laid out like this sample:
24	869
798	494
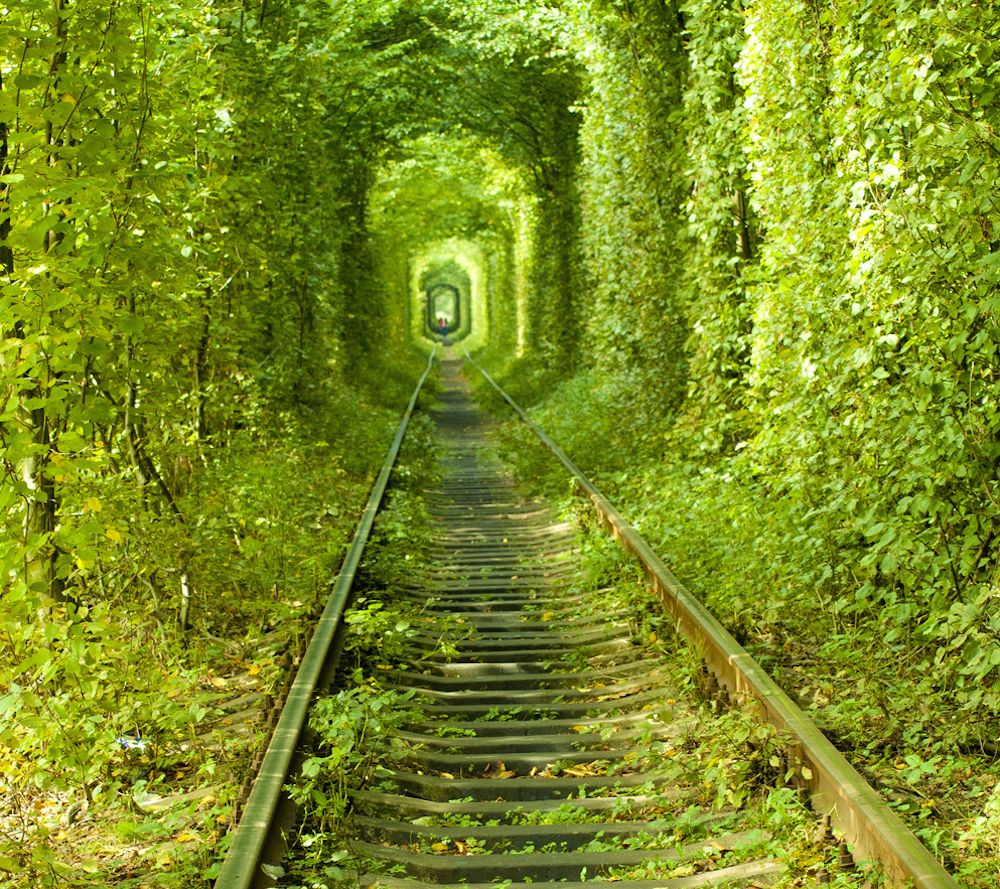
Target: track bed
545	748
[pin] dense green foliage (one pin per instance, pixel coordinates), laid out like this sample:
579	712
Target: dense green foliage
753	241
181	459
874	347
807	428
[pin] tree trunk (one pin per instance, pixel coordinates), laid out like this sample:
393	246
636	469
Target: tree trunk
201	367
41	513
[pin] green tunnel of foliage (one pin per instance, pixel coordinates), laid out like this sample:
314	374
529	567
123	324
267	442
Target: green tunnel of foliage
753	244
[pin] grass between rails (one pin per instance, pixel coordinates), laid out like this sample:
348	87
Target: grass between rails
866	675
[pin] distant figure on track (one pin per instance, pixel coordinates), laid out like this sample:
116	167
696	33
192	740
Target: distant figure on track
443	330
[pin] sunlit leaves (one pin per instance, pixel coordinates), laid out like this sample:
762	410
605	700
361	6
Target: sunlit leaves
182	187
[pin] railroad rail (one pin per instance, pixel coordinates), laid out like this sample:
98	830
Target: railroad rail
259	838
538	753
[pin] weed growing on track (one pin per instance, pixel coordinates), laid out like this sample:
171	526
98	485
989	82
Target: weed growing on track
354	741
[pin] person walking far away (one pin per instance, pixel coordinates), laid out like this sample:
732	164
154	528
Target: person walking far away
443	330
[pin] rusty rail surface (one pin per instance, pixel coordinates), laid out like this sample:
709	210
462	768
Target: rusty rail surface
872	829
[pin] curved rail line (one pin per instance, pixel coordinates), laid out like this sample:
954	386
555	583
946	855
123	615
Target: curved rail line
462	690
866	821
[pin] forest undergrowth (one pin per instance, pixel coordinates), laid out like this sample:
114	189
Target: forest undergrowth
129	728
882	690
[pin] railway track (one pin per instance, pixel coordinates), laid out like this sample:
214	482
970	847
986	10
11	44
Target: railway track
545	704
548	744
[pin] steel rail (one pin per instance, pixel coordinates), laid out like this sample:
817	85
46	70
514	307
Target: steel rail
871	828
253	839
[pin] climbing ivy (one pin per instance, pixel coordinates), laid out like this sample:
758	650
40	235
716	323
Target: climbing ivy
875	327
723	233
632	186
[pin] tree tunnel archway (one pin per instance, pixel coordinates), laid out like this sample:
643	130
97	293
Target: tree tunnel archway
452	211
456	270
483	149
448	294
444	304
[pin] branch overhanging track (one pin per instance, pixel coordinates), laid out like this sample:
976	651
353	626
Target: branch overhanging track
543	702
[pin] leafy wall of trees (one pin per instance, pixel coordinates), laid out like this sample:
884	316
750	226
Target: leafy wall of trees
187	410
872	151
788	230
631	189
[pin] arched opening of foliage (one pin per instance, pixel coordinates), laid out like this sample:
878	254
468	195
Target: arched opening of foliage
447	298
449	211
456	272
444	308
